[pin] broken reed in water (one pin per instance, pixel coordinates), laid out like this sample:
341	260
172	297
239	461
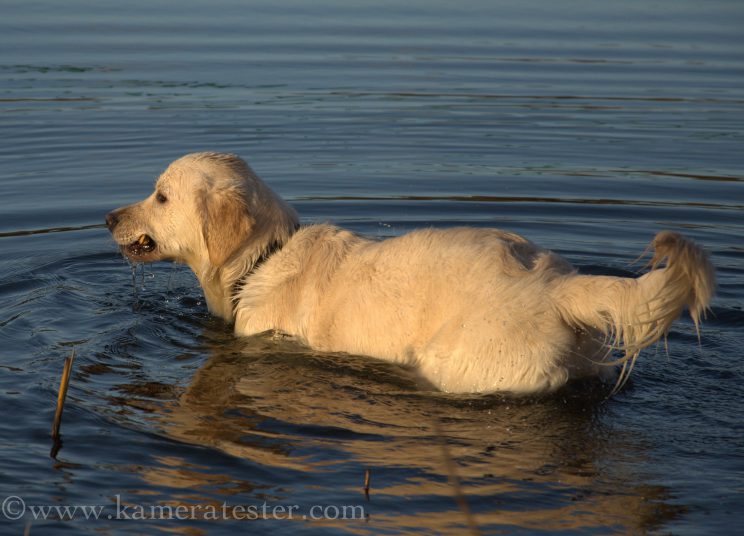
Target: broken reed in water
367	474
63	384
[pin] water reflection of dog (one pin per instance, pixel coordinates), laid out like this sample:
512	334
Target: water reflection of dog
306	419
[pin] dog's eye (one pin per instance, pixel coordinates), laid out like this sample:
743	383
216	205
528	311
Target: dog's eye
161	198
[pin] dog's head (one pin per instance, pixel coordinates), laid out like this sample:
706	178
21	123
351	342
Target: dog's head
206	207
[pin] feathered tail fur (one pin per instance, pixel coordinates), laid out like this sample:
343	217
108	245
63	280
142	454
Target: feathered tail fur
635	313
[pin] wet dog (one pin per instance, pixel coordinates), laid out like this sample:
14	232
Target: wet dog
473	310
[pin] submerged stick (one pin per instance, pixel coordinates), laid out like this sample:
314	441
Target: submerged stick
62	394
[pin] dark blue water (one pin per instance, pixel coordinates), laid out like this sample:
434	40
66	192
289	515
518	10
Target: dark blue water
585	126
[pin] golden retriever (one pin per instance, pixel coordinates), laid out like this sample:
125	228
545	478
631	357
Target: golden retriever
473	310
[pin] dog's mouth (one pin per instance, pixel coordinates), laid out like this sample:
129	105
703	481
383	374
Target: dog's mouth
141	247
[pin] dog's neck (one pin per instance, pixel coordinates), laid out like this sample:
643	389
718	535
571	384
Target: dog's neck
219	303
221	284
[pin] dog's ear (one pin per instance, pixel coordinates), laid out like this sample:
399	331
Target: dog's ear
227	224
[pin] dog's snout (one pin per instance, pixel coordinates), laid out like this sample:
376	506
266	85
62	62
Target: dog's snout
112	218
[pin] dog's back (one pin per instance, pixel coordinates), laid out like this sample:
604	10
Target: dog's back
473	309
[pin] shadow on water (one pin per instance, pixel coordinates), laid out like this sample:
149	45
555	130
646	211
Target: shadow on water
314	422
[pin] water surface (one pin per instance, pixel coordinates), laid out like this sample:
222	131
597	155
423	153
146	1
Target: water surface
586	127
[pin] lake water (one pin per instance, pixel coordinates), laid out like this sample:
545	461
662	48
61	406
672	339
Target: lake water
585	126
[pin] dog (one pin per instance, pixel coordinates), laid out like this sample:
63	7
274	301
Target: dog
472	309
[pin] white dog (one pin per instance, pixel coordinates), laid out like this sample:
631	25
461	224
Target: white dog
474	310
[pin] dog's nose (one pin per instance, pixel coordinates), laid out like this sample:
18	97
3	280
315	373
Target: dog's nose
111	220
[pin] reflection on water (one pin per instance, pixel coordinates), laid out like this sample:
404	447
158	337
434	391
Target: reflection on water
549	464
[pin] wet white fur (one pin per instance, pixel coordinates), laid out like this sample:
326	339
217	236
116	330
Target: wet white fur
474	310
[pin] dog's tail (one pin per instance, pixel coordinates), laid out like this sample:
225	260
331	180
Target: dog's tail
635	313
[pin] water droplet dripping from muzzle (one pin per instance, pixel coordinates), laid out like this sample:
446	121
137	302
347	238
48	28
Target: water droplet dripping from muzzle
135	288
